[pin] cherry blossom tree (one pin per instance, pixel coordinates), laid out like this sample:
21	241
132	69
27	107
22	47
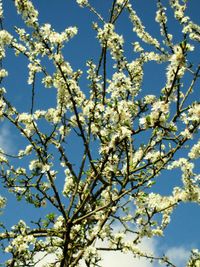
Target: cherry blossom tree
128	137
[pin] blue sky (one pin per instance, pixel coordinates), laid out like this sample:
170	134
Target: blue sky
183	232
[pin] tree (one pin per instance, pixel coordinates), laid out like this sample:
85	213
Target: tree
128	138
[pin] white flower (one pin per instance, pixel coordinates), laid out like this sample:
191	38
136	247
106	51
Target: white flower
64	130
119	236
160	106
48	81
2	202
143	121
21	244
34	67
3	73
39	114
59	38
28	12
34	164
82	2
125	132
25	118
137	47
112	40
161	16
1	10
186	133
37	165
90	252
5	37
59	224
195	151
120	2
139	29
69	183
45	168
2	107
149	99
178	55
53	115
194	112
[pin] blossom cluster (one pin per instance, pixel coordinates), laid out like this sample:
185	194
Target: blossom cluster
2	202
139	28
28	12
82	2
109	38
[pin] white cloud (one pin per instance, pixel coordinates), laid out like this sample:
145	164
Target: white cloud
118	259
41	260
110	259
6	140
178	255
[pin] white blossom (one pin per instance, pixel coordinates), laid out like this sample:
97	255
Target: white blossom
28	11
59	224
195	151
5	37
140	29
82	2
3	73
1	10
2	202
69	183
112	40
